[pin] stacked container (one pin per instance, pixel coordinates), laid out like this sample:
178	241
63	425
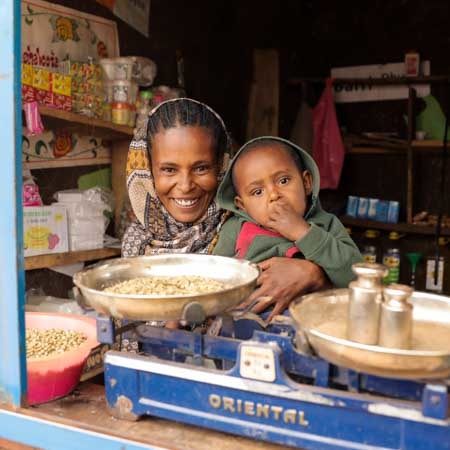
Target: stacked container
120	90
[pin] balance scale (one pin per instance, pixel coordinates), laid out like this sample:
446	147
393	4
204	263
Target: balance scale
292	382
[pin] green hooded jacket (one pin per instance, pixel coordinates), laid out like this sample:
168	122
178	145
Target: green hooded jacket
327	243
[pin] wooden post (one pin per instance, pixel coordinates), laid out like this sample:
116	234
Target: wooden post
263	104
410	165
119	153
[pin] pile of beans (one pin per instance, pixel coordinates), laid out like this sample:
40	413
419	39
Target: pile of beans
41	343
182	285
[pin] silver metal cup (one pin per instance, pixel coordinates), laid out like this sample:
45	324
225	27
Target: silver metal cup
396	317
365	297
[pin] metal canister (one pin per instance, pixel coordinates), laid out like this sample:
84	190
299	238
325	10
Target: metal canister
396	317
365	296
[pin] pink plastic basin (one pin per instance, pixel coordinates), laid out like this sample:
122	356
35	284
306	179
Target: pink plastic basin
55	376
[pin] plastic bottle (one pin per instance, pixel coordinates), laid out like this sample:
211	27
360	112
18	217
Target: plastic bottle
391	258
433	283
143	111
369	246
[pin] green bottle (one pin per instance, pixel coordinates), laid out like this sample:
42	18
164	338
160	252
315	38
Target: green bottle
391	259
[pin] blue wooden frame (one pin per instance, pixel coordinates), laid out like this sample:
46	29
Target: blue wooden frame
16	426
12	367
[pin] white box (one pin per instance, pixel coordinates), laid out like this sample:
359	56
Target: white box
45	230
85	241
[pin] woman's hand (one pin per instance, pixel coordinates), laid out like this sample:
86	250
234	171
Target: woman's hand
284	279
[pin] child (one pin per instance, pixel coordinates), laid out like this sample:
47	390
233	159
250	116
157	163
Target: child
272	187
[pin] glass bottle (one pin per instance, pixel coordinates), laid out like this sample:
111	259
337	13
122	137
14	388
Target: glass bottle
369	246
391	258
435	282
143	112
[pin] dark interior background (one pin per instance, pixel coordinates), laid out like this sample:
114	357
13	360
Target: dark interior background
217	38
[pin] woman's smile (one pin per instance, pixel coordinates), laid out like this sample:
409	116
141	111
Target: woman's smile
185	202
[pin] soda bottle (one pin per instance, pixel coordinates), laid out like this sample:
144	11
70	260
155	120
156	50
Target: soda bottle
435	282
391	259
369	246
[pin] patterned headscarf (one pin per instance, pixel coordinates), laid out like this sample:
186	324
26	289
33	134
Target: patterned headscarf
155	230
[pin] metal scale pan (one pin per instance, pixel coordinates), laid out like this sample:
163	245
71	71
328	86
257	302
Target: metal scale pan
238	276
321	319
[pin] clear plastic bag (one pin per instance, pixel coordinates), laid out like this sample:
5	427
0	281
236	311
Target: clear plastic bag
87	205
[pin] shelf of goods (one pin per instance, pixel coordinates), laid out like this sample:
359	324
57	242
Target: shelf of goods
120	137
391	146
61	259
400	227
56	118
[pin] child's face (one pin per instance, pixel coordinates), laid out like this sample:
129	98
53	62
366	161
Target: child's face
266	175
185	171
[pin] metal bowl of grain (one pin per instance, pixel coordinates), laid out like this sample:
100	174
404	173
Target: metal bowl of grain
321	320
176	285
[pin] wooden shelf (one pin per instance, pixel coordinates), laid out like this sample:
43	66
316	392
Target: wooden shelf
65	162
400	227
57	118
426	79
61	259
425	146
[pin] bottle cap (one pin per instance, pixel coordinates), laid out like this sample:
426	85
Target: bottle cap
371	233
394	235
146	95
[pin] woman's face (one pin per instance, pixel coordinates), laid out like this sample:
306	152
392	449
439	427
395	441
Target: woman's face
185	171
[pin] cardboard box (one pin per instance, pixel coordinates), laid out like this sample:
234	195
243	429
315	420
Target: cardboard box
94	364
45	230
393	212
363	207
28	91
372	208
61	92
42	83
382	210
352	206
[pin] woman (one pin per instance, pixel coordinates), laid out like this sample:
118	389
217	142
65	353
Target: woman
173	171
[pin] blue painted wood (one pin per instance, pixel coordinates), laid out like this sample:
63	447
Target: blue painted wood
282	411
53	436
12	366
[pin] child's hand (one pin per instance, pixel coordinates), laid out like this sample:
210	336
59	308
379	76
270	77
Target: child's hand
284	220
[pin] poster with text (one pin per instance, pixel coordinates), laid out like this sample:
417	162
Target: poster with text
360	92
52	33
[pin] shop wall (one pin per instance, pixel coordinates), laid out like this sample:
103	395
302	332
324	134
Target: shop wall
217	39
373	32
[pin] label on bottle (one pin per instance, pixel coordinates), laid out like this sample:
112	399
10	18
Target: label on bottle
369	254
430	285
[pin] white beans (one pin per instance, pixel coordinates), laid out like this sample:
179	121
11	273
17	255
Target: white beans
41	343
182	285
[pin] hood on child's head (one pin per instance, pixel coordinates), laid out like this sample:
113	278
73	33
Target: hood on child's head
226	192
